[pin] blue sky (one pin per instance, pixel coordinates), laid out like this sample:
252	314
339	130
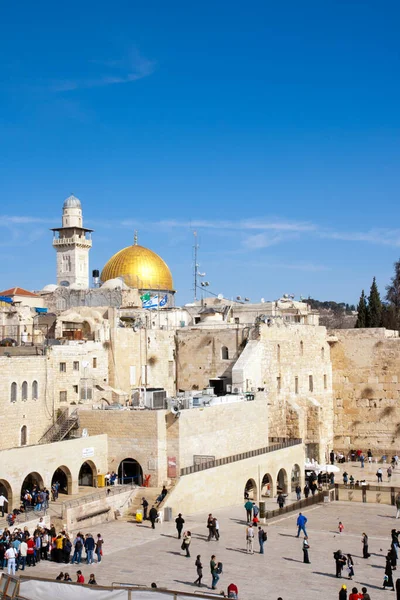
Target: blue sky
271	128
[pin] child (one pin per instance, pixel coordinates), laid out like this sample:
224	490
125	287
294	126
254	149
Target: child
341	526
255	521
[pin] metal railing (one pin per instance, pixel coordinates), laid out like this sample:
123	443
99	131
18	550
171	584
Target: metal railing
297	505
59	429
242	456
103	493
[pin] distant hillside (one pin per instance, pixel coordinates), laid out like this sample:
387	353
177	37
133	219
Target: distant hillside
334	315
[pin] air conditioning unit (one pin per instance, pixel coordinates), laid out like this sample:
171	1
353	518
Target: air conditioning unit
237	390
156	399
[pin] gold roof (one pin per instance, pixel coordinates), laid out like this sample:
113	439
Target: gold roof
140	268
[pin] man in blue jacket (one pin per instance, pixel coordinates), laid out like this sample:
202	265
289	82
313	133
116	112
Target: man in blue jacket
301	524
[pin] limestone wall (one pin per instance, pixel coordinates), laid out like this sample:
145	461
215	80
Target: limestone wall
72	515
366	387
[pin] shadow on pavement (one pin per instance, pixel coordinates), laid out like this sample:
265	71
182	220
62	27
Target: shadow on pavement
328	575
292	559
241	550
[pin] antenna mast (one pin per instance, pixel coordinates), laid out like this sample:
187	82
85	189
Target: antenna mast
195	266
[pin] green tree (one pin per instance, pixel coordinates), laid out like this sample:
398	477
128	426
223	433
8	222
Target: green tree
393	290
374	314
362	309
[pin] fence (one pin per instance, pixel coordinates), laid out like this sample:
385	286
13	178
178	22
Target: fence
378	494
242	456
299	504
23	335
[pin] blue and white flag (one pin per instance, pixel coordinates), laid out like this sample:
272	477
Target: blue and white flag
164	300
152	303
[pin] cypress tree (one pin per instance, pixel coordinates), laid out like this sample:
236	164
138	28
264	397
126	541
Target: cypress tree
374	314
362	310
393	290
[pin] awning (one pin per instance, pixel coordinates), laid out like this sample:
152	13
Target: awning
104	387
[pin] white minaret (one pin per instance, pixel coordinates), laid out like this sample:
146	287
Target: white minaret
72	245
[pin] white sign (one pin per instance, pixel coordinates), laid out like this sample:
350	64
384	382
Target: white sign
87	452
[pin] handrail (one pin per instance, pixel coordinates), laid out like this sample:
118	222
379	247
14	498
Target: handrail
105	492
242	456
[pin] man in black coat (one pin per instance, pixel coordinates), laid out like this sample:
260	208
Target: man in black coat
145	505
179	525
153	516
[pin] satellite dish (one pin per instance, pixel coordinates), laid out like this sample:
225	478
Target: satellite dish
174	409
85	364
220	296
247	299
262	300
238	297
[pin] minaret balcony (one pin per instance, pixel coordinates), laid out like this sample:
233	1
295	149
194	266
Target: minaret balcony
77	240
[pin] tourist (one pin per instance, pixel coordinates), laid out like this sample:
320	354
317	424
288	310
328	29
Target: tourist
343	593
214	572
262	538
10	555
350	566
92	579
340	561
379	475
306	491
78	546
89	548
388	577
233	591
280	501
332	457
369	454
306	547
67	547
256	510
99	547
345	478
199	570
187	538
362	460
31	552
67	577
3	500
79	577
60	576
340	526
397	589
355	594
298	492
145	505
153	516
389	474
301	524
398	506
364	541
365	595
216	528
395	540
23	553
249	508
250	539
179	524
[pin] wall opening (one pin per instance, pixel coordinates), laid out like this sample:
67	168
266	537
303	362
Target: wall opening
282	482
266	486
250	490
24	391
31	481
224	353
301	348
295	477
130	471
13	392
278	353
35	390
5	490
63	477
87	474
24	435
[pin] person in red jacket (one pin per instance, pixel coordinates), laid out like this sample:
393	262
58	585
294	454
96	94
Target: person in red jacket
30	555
355	595
232	591
80	578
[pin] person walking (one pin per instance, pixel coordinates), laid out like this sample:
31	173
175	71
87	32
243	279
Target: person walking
89	547
10	555
362	460
153	514
187	538
179	524
379	475
145	505
364	541
388	577
281	501
398	506
214	572
262	538
301	524
350	566
249	508
250	539
340	561
216	528
389	474
298	492
199	569
343	593
306	491
306	547
210	527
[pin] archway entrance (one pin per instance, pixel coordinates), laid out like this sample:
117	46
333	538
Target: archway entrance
5	490
266	486
250	490
33	480
282	482
87	474
130	471
295	477
63	477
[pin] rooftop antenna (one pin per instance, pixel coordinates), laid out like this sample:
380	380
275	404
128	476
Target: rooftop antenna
195	265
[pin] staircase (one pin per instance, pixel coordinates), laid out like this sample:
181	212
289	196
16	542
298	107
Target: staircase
61	428
151	495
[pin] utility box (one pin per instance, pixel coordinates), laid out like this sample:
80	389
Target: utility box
167	513
101	481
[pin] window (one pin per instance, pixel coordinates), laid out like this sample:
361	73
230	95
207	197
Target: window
237	320
76	365
63	396
310	383
24	391
86	393
325	382
94	363
224	353
278	385
24	435
296	385
35	390
63	367
301	348
13	393
278	352
322	353
75	388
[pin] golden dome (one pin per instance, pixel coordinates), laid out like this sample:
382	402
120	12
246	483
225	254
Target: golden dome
139	268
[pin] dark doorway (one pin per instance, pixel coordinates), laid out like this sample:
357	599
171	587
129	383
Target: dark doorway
219	386
61	476
86	475
130	471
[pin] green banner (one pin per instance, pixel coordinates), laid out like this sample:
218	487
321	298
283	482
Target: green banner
145	297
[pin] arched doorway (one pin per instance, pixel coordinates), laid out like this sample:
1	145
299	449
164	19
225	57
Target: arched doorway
295	477
31	481
87	474
63	476
130	471
282	482
5	490
24	435
267	486
250	489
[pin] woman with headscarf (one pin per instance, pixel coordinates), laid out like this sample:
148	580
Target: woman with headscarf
388	578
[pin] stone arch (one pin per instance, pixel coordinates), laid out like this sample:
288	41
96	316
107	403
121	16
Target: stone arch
6	490
24	391
282	481
64	477
130	471
88	474
224	353
13	392
251	489
295	477
86	330
30	481
24	435
35	390
267	486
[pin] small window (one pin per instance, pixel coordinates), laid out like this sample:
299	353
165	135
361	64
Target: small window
197	320
301	348
278	352
24	391
94	363
76	365
310	383
75	388
322	353
24	435
325	382
35	390
296	385
63	367
86	393
63	396
13	392
278	384
224	353
237	320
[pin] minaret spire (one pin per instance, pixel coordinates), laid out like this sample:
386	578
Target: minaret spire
135	238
